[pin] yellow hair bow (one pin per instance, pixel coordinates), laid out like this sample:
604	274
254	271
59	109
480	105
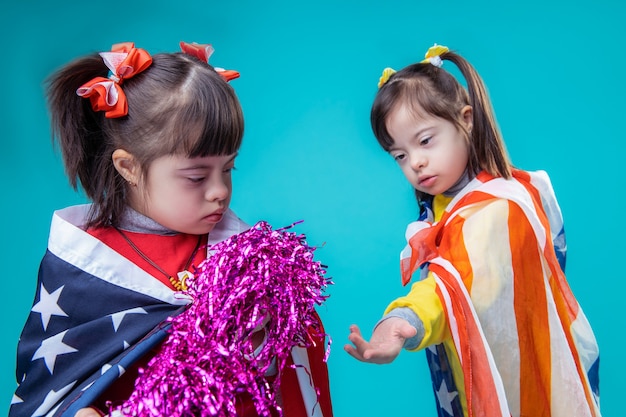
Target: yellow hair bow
387	72
433	55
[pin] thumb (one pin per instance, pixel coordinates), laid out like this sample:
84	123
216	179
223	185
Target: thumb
407	331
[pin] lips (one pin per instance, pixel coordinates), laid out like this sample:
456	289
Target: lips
216	216
426	180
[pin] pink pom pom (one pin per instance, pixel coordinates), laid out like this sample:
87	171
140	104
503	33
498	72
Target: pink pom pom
260	278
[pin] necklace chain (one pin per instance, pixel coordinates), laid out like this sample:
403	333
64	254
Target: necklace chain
178	282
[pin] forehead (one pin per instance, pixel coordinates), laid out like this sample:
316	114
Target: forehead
406	114
183	162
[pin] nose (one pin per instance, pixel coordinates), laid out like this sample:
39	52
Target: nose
217	189
418	160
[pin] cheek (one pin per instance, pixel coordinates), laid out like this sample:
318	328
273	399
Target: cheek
165	190
461	152
228	183
230	193
464	154
409	174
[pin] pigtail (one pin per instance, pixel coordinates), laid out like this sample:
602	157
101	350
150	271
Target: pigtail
82	137
76	128
489	152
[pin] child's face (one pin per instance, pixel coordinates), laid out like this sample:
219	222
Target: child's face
431	152
187	195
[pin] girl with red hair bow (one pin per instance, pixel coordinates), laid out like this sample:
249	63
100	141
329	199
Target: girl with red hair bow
153	147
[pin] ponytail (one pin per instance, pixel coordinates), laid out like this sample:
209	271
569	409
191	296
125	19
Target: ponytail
486	141
79	132
75	127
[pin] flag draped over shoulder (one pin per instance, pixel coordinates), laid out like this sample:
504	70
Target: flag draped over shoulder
95	313
498	255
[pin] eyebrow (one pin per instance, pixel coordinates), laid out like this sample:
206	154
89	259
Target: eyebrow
415	136
205	166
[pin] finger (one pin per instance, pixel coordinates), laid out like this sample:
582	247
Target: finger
357	340
353	352
355	329
376	356
355	335
407	331
359	343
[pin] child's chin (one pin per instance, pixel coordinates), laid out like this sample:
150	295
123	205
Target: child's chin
204	229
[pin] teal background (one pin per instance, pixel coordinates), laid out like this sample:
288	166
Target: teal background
308	76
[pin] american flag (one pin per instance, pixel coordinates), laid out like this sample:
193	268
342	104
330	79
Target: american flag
94	314
530	350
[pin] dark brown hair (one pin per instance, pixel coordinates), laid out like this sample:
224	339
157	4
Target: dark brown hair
178	105
438	93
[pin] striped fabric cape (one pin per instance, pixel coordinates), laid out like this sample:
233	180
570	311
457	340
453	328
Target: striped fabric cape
96	313
524	344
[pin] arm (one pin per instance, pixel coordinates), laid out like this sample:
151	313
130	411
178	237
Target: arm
413	322
387	340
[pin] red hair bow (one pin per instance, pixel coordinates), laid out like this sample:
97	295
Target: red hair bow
105	94
203	52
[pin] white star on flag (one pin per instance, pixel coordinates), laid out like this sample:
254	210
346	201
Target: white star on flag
51	348
118	317
48	305
52	398
120	369
88	386
445	398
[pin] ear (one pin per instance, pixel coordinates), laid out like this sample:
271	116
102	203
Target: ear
127	165
466	115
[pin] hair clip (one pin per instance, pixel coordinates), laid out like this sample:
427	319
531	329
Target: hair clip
387	72
203	52
433	55
124	61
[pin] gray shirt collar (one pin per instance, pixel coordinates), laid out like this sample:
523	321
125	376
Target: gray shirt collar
133	221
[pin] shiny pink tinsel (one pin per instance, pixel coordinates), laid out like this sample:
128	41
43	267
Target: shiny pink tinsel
207	359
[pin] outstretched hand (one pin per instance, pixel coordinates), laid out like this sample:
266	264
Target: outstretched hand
385	344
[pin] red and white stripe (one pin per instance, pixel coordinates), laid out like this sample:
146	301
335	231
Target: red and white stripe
523	342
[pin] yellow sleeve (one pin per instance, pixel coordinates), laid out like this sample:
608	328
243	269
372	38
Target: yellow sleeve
424	301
